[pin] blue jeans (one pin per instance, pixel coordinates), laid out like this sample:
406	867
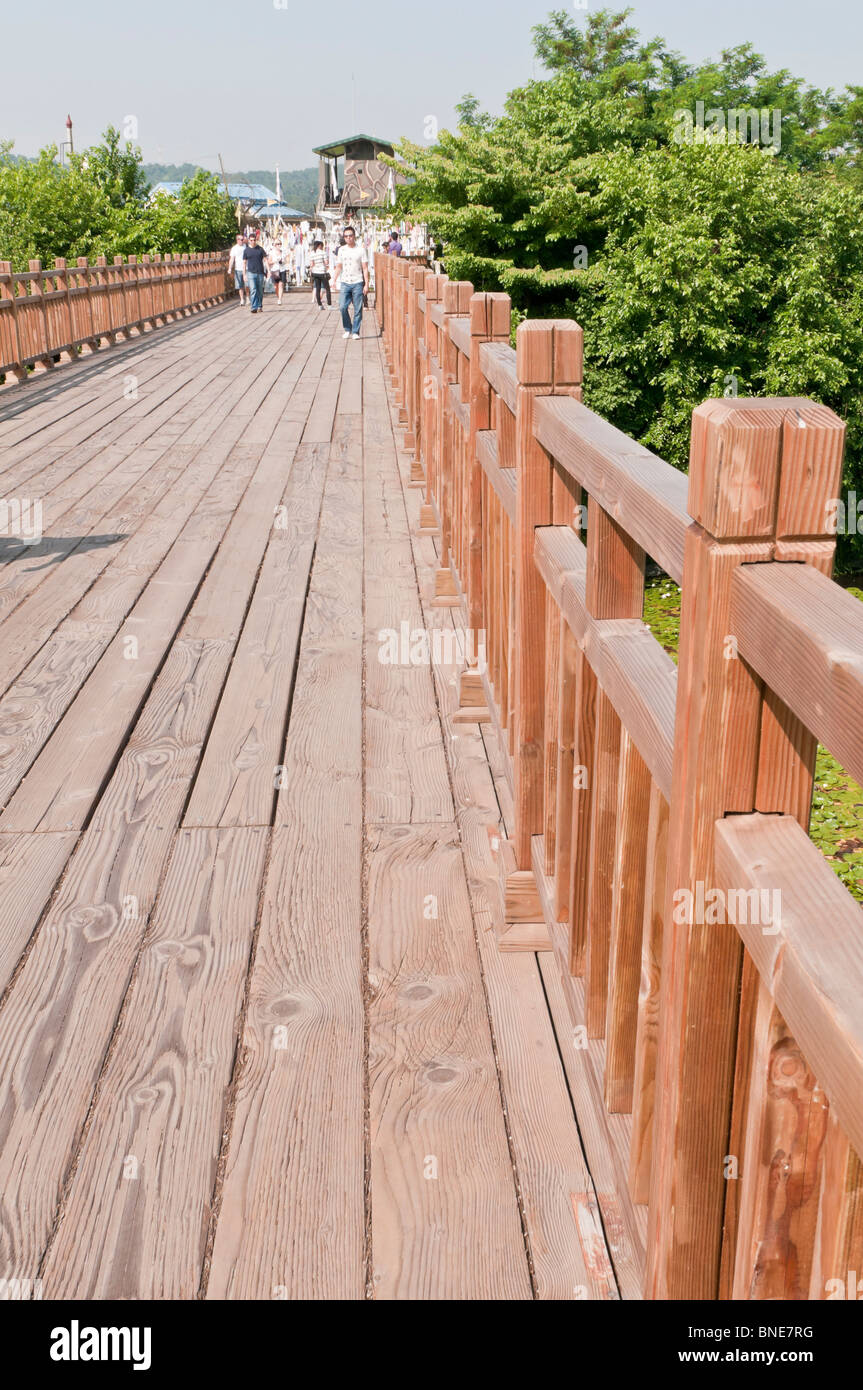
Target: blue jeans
351	294
256	289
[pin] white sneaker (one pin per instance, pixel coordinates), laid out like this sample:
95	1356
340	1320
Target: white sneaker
356	337
347	335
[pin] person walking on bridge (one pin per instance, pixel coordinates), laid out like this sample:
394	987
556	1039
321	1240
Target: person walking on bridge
256	267
320	274
352	267
235	266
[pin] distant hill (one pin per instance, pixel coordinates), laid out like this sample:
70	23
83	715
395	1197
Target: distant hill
299	186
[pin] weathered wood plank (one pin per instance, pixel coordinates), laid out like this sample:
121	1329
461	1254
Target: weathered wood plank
144	1177
291	1214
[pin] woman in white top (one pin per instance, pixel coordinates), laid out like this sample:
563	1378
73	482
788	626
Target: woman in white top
278	271
321	274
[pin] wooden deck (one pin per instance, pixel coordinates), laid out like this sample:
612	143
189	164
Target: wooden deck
256	1037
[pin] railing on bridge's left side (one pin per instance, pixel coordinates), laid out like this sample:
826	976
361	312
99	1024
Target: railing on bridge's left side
49	313
711	960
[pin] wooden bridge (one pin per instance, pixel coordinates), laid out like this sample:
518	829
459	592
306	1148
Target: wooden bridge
348	808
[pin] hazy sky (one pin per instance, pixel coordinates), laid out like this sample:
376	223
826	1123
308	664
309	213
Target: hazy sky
261	83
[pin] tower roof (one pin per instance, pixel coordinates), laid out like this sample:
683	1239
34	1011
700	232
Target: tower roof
338	146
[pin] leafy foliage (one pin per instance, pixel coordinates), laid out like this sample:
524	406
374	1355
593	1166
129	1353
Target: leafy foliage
98	205
695	269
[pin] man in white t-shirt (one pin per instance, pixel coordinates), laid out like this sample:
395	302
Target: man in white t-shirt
352	269
235	266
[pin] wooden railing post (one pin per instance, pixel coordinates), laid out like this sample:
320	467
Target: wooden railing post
67	353
134	282
37	290
490	320
548	362
91	340
119	277
749	461
431	419
456	304
769	1244
416	280
8	292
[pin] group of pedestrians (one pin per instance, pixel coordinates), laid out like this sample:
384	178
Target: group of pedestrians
343	267
283	260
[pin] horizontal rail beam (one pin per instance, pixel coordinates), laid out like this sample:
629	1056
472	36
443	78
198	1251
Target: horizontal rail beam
803	634
497	361
501	479
638	490
631	667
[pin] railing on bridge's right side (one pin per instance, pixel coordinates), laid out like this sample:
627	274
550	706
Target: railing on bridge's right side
48	313
660	812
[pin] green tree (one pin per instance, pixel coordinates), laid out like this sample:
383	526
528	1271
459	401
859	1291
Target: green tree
695	269
99	205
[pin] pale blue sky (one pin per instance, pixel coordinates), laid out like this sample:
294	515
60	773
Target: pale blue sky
262	84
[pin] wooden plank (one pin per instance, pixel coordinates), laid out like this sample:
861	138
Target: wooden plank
535	362
501	479
145	1174
563	1227
804	635
237	777
434	1100
59	589
30	866
813	963
614	589
59	1017
68	775
785	1137
406	775
498	363
82	748
838	1252
716	770
644	1091
645	495
635	673
62	664
67	996
291	1216
605	1137
627	914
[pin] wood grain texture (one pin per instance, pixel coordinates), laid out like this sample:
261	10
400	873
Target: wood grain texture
291	1213
813	963
645	495
30	866
562	1219
144	1177
436	1210
236	780
627	914
817	667
647	1034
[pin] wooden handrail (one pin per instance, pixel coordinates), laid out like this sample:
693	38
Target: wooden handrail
648	796
50	313
822	635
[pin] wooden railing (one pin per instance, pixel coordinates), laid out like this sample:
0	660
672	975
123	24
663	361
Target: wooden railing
712	961
46	313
